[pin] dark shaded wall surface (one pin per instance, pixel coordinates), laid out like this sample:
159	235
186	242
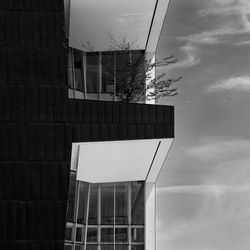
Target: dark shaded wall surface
38	124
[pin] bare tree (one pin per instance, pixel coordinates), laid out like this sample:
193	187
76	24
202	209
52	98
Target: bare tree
133	70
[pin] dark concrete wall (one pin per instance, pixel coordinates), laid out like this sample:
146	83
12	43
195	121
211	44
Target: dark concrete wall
38	124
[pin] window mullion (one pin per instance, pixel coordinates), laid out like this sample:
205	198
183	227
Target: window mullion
87	217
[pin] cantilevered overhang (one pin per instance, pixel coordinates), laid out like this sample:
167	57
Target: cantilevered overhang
117	161
94	21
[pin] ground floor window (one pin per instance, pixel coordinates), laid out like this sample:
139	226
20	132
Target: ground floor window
106	216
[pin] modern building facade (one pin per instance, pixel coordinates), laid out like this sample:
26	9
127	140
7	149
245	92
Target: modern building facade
75	174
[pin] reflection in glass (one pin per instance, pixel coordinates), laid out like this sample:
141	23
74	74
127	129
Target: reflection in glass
92	73
78	66
107	203
91	247
71	197
79	247
79	234
70	70
107	247
92	235
121	235
82	204
137	234
108	72
121	203
68	233
137	203
137	247
92	220
78	80
121	247
107	234
68	247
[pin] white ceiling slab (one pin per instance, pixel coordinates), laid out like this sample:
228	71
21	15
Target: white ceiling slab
157	23
117	161
94	20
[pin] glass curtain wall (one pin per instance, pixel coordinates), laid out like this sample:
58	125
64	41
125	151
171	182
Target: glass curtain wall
107	216
105	71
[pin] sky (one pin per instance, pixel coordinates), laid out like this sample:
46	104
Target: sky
203	195
117	18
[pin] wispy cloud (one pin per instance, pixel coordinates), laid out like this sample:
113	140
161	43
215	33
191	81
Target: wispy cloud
215	190
190	58
233	20
240	83
212	148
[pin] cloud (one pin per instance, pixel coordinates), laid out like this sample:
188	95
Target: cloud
231	21
215	190
240	83
190	58
214	148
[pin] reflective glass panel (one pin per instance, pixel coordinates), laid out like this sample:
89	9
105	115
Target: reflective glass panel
107	234
108	72
83	197
137	247
93	204
92	235
80	234
121	203
137	234
78	80
71	197
91	247
107	247
68	247
79	247
78	55
137	203
107	203
121	235
92	73
121	247
69	231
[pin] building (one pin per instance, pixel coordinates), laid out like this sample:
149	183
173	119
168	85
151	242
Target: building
48	140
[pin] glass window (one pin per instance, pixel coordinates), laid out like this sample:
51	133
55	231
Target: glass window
107	247
70	70
107	234
121	247
107	204
71	197
108	72
80	234
92	235
137	203
78	80
93	204
68	247
91	247
121	235
137	247
83	197
121	203
137	234
79	247
78	70
92	73
69	232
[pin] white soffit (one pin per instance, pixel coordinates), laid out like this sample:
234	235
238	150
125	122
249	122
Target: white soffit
117	161
159	16
94	20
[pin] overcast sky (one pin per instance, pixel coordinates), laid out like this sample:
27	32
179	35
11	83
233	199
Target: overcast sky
204	190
